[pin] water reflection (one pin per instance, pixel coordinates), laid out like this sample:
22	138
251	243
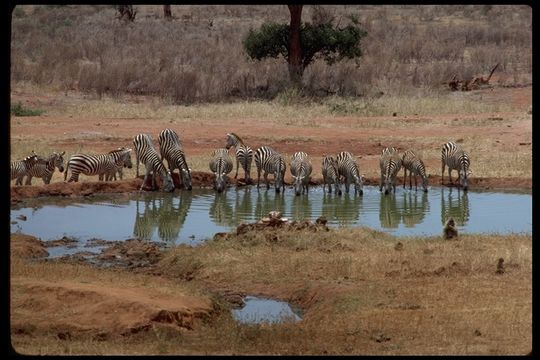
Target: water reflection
415	208
268	201
221	211
168	214
301	207
455	203
389	215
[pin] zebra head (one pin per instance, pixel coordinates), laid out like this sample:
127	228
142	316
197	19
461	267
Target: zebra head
425	182
279	174
463	178
358	184
127	159
58	160
298	184
231	141
220	182
186	178
168	184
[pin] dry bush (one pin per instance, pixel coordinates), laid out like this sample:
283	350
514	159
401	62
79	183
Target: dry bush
198	56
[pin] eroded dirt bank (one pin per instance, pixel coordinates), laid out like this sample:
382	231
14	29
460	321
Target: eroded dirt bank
202	179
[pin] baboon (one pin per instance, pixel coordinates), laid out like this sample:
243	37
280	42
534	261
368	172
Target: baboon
450	230
500	266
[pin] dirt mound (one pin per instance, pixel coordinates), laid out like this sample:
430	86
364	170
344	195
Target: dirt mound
81	309
27	246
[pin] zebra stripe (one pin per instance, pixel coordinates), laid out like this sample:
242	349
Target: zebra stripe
20	167
330	174
243	153
271	162
102	164
147	154
44	168
301	169
221	164
415	165
171	149
348	168
125	157
390	164
455	158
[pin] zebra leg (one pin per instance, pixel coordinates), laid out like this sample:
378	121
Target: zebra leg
258	177
237	163
404	176
450	175
266	180
410	179
415	182
137	167
442	172
28	180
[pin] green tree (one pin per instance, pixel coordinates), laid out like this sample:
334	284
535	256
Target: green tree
301	43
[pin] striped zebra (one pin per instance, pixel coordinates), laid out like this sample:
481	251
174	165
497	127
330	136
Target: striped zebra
44	168
270	162
455	158
20	167
221	164
348	168
415	165
330	174
390	164
147	154
301	169
171	149
101	165
122	159
244	154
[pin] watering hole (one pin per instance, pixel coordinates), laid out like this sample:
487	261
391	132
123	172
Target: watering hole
191	217
257	310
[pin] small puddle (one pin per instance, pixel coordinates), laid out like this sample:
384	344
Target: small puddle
261	310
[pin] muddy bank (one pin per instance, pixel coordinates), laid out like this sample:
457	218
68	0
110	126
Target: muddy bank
203	179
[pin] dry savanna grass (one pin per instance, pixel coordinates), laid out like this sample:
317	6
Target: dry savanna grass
361	292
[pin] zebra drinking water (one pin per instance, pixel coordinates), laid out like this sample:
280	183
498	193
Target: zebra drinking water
348	168
147	154
390	164
330	174
244	154
20	167
220	164
455	158
415	165
271	162
301	169
44	168
171	150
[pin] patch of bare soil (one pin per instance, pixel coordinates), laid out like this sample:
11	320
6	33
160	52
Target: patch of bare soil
27	246
72	309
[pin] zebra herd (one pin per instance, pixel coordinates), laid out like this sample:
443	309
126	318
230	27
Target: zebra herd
343	169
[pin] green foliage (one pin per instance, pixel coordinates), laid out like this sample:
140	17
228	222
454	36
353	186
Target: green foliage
19	110
331	44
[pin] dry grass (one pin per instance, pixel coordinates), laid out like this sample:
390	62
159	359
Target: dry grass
360	295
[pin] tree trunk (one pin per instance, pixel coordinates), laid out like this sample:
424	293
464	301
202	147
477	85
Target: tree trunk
296	68
167	12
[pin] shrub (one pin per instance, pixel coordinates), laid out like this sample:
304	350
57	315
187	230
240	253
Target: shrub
19	110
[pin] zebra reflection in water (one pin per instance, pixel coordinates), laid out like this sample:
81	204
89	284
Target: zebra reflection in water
455	204
220	211
415	208
243	205
167	214
301	208
389	215
345	209
269	201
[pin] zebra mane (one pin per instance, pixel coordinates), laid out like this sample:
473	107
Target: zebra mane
237	137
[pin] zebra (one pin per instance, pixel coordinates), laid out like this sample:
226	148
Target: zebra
330	174
301	169
415	165
20	167
390	164
147	154
220	164
270	161
171	150
44	168
122	159
102	164
127	163
456	159
348	168
243	153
